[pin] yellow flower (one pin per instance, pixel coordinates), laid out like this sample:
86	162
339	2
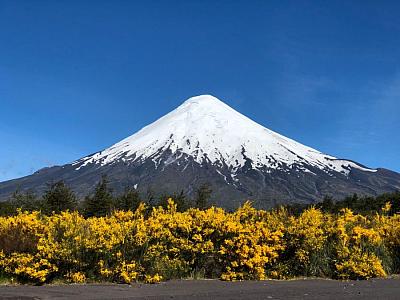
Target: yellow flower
77	277
152	279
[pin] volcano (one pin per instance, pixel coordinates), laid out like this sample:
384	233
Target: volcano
206	141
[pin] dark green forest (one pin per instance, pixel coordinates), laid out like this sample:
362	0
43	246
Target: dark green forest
59	197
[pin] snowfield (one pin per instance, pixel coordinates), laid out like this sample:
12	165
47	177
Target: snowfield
207	129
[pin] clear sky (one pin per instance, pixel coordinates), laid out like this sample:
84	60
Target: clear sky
78	76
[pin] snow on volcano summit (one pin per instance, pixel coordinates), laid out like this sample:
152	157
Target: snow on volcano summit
208	130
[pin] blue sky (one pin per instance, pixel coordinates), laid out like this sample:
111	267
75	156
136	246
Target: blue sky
78	76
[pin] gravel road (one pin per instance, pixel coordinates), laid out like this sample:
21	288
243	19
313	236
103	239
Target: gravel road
214	289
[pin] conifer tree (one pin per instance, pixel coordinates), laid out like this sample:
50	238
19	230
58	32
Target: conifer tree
327	204
101	203
59	197
178	198
7	208
27	201
150	198
180	201
203	194
163	200
129	200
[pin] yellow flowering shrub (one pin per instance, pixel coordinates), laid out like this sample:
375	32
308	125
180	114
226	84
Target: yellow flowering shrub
27	267
127	272
249	246
305	240
355	242
21	233
77	277
308	234
152	279
164	243
389	231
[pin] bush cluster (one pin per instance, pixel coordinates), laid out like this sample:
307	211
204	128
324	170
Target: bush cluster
59	197
365	205
164	243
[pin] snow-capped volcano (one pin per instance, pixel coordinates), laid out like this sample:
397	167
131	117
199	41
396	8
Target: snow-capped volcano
207	129
206	141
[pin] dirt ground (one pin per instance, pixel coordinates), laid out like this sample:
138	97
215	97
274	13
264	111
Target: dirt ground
214	289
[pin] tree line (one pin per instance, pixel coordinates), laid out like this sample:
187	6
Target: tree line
363	205
59	197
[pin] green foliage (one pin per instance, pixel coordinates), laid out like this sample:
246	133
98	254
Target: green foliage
150	198
129	200
368	205
181	201
203	194
26	201
7	208
179	198
59	197
101	203
364	205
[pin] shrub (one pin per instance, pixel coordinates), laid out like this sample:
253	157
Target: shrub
164	243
